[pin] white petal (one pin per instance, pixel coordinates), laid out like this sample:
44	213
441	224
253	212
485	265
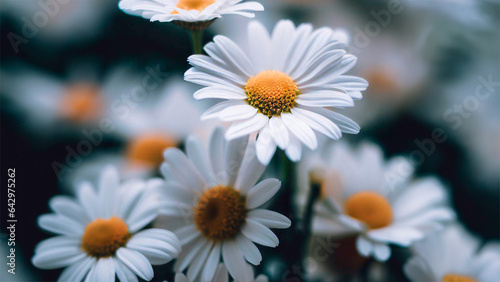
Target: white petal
198	262
88	199
318	123
233	259
199	158
211	263
249	250
234	153
237	112
60	225
301	130
78	270
251	170
216	151
259	234
262	192
58	257
381	252
123	272
245	127
279	132
182	167
364	246
345	124
138	263
259	45
108	183
265	146
104	270
189	252
66	206
269	218
219	92
294	149
325	99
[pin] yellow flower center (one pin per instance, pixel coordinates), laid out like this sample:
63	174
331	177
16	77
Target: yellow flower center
81	103
103	237
148	149
370	208
189	5
457	278
271	92
220	213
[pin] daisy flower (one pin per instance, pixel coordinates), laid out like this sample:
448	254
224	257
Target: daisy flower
454	255
221	275
279	86
99	233
215	206
376	201
190	14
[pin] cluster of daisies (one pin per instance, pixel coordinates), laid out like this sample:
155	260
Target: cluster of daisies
209	211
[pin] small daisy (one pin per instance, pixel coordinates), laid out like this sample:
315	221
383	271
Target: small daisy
215	206
99	233
454	255
189	14
221	275
362	195
279	86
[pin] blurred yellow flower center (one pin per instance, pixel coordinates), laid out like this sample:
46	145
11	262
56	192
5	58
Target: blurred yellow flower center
148	149
381	81
370	208
103	237
81	103
457	278
220	213
189	5
271	92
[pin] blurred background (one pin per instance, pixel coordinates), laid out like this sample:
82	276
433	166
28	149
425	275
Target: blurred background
83	84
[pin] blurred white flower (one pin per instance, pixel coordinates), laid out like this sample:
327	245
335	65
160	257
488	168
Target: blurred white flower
215	206
279	86
161	120
51	105
453	255
189	11
363	195
99	233
221	275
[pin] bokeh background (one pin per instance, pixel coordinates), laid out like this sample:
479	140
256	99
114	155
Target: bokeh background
433	69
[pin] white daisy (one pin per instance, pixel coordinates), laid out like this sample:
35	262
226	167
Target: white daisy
454	255
215	206
189	11
365	196
221	275
99	233
279	86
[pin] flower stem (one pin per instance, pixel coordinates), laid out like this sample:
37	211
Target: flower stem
197	40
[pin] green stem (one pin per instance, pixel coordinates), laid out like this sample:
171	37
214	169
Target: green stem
197	40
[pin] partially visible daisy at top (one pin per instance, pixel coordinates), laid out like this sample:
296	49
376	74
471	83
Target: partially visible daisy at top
376	201
100	234
282	86
190	14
